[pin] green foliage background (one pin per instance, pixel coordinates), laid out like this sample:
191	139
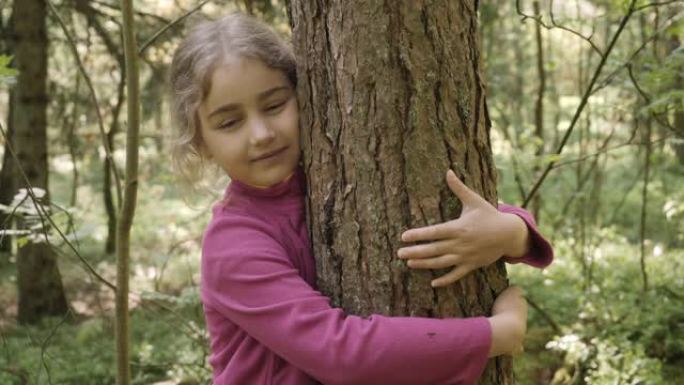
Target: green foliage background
591	321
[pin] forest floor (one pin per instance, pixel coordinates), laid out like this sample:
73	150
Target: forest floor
604	333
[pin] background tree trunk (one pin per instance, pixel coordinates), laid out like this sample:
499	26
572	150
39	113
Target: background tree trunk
40	286
7	189
391	97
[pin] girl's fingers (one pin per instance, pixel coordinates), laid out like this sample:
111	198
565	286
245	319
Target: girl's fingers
427	250
462	192
429	233
440	262
454	275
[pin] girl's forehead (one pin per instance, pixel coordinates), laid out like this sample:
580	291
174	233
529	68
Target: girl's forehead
242	80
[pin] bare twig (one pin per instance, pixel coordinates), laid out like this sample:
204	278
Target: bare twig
554	24
516	169
44	344
10	216
539	108
608	149
583	102
644	207
115	8
656	4
547	317
622	201
93	95
608	79
21	373
582	180
40	209
177	20
647	98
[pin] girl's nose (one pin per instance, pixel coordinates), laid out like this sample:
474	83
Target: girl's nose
262	133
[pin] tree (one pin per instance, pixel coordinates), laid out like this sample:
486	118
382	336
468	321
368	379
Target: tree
391	97
125	221
40	285
7	190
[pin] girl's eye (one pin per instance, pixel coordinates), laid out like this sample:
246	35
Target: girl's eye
274	107
228	124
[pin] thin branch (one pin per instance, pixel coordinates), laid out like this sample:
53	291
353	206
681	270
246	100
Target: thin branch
169	25
583	102
547	317
656	4
608	79
671	292
93	95
622	201
647	98
44	344
644	207
125	221
11	215
553	25
139	13
21	373
39	209
516	169
582	180
597	153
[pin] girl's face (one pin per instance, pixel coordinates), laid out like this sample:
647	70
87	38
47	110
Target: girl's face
250	123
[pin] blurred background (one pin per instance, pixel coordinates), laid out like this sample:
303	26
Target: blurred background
609	310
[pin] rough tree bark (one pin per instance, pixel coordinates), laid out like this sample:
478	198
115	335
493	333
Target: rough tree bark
40	285
391	97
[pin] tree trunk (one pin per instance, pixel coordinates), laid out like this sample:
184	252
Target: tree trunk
391	97
7	181
40	286
7	188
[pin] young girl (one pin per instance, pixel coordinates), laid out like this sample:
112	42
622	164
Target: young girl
233	88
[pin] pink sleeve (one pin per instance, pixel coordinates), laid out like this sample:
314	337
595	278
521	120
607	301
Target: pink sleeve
249	279
540	253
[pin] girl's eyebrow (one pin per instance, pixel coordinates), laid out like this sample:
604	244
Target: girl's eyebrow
271	91
263	95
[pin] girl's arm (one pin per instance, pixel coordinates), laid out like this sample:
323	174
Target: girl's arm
479	237
248	277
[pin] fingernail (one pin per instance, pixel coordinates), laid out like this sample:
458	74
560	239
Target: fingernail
433	284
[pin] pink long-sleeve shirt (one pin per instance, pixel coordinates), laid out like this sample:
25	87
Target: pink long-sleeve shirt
269	325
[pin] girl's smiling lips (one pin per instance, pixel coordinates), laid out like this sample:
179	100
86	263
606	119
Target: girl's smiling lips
270	154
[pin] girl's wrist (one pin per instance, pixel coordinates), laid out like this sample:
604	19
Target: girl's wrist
519	241
500	330
506	334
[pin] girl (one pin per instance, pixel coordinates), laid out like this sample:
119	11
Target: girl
233	83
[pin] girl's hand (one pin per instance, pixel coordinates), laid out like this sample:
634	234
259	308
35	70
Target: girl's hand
480	236
508	322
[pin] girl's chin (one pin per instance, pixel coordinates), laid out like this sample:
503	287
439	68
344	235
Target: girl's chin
277	177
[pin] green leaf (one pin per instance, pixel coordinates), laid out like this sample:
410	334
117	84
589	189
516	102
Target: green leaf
7	74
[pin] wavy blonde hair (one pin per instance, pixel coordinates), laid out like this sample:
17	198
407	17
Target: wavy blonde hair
207	46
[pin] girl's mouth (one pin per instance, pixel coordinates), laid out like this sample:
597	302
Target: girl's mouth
270	154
